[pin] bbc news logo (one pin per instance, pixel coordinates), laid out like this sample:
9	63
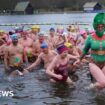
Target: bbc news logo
6	93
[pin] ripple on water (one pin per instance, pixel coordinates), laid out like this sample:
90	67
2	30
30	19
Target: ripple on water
35	89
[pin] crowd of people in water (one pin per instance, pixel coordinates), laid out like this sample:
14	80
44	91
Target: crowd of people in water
24	48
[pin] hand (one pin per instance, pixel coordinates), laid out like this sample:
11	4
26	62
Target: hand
25	70
60	77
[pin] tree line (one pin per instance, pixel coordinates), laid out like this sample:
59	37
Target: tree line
48	4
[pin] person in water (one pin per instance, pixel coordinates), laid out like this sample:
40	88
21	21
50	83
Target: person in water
58	69
35	29
73	51
13	58
46	56
28	45
61	38
1	50
36	46
96	42
52	38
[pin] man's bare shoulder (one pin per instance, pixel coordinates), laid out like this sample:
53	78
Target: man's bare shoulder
53	52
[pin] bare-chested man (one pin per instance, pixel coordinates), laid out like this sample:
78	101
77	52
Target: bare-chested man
35	29
37	44
27	44
14	57
1	50
46	55
61	39
52	38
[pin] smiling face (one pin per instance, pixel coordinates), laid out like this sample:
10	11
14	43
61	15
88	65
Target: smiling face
100	30
64	54
99	24
100	27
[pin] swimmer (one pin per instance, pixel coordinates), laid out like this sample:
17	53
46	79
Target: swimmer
46	55
58	69
96	42
13	58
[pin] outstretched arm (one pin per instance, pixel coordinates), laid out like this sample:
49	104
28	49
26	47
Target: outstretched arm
37	62
85	50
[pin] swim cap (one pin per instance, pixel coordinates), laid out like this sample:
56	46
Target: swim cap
41	34
14	37
60	30
2	31
61	49
72	29
82	32
64	34
52	29
18	29
44	45
26	29
35	27
69	45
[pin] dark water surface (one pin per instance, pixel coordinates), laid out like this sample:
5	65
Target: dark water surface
34	88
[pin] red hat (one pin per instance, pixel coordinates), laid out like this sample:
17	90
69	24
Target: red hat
62	49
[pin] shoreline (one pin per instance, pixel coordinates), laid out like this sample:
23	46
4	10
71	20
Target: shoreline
48	12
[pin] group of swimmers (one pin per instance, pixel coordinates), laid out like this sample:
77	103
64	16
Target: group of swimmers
24	48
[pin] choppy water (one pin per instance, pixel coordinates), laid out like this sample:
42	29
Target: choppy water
34	88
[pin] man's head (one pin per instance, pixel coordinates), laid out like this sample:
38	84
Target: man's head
44	47
83	34
41	37
18	29
24	34
14	38
52	31
99	24
35	29
60	30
